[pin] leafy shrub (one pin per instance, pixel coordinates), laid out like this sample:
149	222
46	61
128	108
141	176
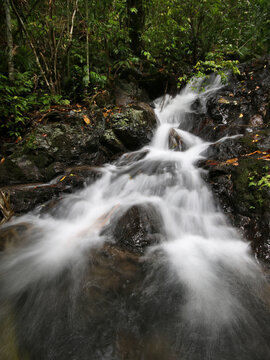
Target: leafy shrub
18	98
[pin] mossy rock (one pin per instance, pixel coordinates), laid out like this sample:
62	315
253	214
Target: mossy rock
252	198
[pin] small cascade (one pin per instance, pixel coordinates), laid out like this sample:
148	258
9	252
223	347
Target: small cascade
192	292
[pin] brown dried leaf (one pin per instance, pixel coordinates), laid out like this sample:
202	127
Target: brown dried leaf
223	101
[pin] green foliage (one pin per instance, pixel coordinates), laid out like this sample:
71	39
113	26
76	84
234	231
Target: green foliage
18	99
80	48
213	63
14	103
260	181
31	142
98	80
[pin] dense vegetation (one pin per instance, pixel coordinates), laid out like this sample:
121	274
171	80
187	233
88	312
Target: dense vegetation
64	51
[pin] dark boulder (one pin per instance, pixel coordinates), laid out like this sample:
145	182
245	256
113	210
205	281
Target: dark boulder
136	228
175	141
134	126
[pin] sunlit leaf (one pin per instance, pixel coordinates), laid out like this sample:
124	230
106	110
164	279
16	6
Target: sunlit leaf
86	119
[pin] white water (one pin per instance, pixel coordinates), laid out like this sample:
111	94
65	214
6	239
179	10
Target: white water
204	255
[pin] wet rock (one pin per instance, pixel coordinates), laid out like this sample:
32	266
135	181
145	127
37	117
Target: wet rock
129	91
256	121
130	158
175	141
238	167
110	141
123	98
240	106
241	186
14	235
78	137
113	270
137	228
26	197
134	126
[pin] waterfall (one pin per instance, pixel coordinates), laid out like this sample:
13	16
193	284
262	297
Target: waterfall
200	294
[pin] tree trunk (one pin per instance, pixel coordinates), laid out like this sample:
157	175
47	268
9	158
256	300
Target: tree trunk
35	51
87	43
135	17
9	41
68	53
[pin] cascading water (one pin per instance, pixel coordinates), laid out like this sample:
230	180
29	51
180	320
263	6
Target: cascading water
198	294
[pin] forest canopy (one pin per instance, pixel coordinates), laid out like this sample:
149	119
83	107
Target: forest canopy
63	51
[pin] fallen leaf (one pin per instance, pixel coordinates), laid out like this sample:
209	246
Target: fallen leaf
2	160
232	161
63	178
265	157
231	95
86	119
254	152
211	162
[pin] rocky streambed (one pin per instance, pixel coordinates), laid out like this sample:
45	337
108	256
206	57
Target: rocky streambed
78	277
64	149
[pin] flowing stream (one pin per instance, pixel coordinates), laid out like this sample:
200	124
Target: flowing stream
195	294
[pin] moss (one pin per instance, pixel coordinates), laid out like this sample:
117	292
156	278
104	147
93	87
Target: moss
129	118
31	142
248	143
252	197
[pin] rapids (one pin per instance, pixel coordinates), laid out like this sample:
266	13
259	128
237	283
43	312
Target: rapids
200	294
